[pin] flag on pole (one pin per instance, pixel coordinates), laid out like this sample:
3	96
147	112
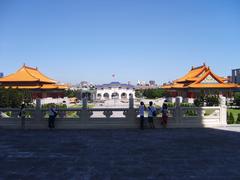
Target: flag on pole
113	75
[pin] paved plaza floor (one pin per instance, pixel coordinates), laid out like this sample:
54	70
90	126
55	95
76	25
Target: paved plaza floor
120	154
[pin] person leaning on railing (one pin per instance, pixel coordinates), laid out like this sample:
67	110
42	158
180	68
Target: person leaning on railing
52	117
164	114
151	114
142	108
22	115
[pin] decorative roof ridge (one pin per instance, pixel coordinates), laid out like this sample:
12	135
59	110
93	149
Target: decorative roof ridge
23	67
31	74
45	76
36	69
199	67
208	72
28	67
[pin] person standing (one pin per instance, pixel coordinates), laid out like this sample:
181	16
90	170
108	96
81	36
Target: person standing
151	114
164	114
22	115
142	108
52	117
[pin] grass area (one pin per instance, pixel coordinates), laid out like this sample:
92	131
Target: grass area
80	106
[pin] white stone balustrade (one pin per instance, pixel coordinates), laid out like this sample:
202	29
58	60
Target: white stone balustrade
87	118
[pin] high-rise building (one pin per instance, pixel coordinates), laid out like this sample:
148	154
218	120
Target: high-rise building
235	76
1	74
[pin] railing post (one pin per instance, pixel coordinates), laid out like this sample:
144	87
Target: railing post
38	113
131	114
223	110
131	102
178	113
84	114
84	103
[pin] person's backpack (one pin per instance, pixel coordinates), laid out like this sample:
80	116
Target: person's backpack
154	113
54	113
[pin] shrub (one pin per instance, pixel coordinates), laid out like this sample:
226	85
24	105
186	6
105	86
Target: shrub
47	106
191	113
231	119
186	105
238	119
199	102
237	98
212	100
169	104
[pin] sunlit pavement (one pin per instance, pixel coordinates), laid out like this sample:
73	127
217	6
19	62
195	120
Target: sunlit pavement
120	154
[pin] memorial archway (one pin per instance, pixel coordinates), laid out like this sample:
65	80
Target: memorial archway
124	96
115	95
106	96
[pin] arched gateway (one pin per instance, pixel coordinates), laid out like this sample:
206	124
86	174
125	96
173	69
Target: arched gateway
115	90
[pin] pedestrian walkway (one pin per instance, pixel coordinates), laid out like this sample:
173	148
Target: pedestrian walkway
120	154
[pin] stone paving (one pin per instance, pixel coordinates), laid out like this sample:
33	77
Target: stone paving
120	154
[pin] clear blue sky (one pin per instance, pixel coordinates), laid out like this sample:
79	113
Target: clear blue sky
135	39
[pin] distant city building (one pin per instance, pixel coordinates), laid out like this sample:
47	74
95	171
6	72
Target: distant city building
143	85
152	83
115	90
235	76
1	74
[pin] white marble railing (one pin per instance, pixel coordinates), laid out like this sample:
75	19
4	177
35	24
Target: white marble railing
70	118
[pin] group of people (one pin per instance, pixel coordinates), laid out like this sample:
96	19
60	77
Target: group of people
51	119
151	110
152	113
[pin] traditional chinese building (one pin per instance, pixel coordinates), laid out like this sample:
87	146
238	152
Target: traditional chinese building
200	80
39	85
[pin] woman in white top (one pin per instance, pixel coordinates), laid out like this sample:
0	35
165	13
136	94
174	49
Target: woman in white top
141	113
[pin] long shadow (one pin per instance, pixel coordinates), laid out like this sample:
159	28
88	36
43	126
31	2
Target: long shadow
120	154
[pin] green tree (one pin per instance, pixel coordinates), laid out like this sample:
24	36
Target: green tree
139	93
14	97
231	119
72	93
238	119
237	98
153	93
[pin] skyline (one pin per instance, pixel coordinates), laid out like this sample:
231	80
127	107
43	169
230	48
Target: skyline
72	41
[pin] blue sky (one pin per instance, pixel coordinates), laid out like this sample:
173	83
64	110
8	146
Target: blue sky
76	40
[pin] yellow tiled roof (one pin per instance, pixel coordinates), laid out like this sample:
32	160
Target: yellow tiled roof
194	78
27	74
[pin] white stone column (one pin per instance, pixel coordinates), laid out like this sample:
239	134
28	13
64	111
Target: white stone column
178	113
131	103
223	110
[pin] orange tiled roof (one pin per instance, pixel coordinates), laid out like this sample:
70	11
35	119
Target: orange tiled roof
27	74
197	78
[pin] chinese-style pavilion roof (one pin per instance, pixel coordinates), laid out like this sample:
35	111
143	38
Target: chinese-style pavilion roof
200	77
29	75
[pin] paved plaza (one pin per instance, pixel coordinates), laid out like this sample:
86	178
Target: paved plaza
120	154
